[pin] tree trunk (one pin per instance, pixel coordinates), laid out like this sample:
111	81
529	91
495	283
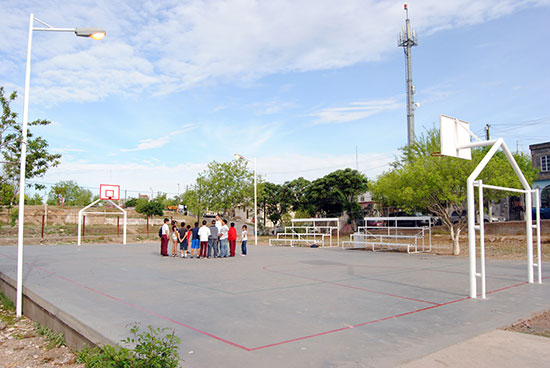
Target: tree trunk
455	239
490	206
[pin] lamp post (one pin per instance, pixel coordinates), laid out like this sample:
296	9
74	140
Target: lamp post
96	34
240	157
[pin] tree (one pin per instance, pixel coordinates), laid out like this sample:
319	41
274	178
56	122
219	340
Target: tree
36	199
225	185
149	208
69	193
38	159
272	199
194	198
294	193
419	181
131	202
337	192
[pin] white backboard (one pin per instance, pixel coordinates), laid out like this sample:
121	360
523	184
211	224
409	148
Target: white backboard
109	191
454	133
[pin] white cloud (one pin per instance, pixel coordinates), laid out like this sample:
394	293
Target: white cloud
132	177
164	177
355	111
151	143
162	47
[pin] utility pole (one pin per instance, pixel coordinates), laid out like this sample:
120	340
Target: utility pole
407	39
487	134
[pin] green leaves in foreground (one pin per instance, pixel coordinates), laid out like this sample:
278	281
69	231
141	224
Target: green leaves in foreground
153	348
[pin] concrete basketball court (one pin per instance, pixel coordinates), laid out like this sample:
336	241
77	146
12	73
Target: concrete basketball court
280	306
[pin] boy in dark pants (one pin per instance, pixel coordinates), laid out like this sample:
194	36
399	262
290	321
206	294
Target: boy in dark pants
165	238
213	249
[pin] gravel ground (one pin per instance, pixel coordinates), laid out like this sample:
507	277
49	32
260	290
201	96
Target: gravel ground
22	347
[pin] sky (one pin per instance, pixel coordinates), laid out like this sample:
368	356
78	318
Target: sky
303	87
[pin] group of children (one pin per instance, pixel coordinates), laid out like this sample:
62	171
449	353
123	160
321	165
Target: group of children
214	241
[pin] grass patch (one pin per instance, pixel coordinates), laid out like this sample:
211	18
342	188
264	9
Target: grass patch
54	339
7	303
7	310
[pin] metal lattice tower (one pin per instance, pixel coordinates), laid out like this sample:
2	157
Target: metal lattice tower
407	39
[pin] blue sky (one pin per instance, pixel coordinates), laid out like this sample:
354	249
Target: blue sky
296	84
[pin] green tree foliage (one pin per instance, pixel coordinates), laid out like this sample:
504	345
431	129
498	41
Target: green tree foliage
421	182
224	186
337	192
131	202
295	193
38	159
36	199
149	208
72	194
194	198
272	199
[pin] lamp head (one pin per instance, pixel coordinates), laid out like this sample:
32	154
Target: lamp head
95	33
239	157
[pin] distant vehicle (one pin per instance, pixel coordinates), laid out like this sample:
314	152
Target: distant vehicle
544	213
407	223
493	218
455	217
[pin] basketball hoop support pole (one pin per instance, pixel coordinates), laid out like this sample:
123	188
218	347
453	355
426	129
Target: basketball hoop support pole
498	144
82	211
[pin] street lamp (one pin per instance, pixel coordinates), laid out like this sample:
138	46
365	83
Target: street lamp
96	34
240	157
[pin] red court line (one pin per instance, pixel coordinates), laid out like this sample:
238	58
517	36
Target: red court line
269	345
359	324
349	286
385	318
135	306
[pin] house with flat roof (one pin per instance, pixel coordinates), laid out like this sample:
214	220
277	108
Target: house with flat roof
540	154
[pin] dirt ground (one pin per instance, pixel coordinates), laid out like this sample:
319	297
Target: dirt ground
538	324
496	246
22	347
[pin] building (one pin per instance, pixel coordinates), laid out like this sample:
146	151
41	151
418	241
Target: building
540	154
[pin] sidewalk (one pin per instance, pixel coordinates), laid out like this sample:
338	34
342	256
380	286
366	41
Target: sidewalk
503	349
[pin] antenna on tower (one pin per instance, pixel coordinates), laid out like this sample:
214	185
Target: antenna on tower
407	39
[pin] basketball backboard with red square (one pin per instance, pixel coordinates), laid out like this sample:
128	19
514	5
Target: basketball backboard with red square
109	192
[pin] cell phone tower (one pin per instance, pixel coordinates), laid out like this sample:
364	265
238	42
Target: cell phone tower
407	39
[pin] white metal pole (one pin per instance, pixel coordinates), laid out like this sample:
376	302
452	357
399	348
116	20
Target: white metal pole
22	172
471	237
78	241
482	242
124	230
255	204
539	255
529	229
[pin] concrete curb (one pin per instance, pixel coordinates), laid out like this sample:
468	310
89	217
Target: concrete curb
77	334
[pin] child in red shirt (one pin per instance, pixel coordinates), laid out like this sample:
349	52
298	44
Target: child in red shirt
232	237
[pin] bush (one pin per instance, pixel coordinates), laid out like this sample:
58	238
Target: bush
151	350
